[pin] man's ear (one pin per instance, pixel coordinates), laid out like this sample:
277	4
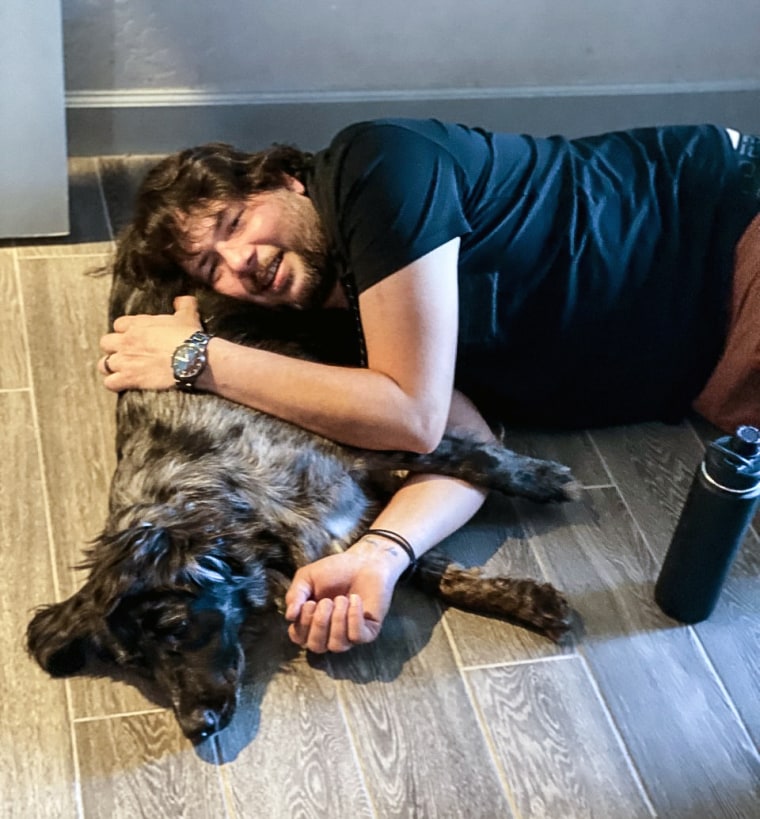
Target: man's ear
293	184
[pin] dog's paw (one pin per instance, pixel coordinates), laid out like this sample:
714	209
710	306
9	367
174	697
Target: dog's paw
551	612
538	605
547	481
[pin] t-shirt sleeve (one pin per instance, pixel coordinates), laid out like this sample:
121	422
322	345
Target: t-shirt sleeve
398	196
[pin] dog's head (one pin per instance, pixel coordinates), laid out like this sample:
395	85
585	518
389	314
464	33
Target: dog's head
158	604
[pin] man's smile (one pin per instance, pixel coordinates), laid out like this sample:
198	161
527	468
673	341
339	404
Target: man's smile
267	279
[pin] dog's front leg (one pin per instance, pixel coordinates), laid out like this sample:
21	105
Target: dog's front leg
495	467
489	465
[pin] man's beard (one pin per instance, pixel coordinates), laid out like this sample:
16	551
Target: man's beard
320	280
310	245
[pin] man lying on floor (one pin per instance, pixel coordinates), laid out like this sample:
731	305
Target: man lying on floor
594	281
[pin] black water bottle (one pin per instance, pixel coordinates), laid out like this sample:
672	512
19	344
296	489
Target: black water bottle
719	509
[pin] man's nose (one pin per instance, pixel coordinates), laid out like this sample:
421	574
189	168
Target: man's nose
236	256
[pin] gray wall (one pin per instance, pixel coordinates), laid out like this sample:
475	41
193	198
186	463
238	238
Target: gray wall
150	75
33	175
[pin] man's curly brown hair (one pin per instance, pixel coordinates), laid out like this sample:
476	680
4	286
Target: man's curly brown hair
149	251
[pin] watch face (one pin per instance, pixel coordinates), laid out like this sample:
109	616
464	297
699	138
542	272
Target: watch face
188	361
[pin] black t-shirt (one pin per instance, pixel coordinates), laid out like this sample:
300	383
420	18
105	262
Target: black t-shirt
593	273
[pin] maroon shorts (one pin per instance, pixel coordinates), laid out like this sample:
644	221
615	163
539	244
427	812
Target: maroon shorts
731	396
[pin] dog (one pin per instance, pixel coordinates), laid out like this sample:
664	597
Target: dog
213	506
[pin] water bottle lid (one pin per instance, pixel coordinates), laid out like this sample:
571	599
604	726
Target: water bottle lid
733	462
746	441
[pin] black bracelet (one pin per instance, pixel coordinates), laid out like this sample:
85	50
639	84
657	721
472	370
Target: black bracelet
404	544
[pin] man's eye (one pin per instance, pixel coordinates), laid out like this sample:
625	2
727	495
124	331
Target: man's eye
211	274
235	223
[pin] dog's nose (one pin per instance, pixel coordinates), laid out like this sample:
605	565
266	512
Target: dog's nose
200	724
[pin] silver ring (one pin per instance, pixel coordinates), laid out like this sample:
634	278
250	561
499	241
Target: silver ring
106	367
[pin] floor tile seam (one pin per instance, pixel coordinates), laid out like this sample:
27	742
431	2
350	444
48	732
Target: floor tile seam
713	671
634	520
37	432
118	715
74	721
481	722
590	438
225	786
45	495
710	666
355	745
613	485
551	658
579	657
708	663
617	733
93	254
647	545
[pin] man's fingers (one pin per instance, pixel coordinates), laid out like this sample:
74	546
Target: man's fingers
299	592
361	628
123	323
109	342
355	619
187	305
338	640
120	325
319	632
298	631
333	625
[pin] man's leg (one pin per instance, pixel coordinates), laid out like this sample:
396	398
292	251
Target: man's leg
731	397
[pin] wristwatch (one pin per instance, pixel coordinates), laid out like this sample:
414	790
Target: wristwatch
189	359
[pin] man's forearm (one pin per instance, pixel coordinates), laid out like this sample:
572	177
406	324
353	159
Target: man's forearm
354	406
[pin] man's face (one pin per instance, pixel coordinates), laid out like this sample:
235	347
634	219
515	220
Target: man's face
268	249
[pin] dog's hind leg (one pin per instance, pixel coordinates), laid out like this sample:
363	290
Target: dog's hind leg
489	465
537	605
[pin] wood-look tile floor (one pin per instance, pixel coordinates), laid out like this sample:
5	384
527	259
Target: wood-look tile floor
449	714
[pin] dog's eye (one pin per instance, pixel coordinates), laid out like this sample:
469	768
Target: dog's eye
175	627
180	627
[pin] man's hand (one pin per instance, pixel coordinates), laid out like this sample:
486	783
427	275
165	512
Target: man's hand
138	353
341	600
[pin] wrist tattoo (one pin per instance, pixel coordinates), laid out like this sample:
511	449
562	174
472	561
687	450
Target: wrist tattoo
401	541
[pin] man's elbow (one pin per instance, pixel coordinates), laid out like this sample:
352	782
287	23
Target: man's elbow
425	433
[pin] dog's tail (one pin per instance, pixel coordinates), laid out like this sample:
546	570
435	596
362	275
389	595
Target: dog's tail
537	605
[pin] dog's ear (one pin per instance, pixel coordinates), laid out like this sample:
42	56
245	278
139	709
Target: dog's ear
63	636
125	562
